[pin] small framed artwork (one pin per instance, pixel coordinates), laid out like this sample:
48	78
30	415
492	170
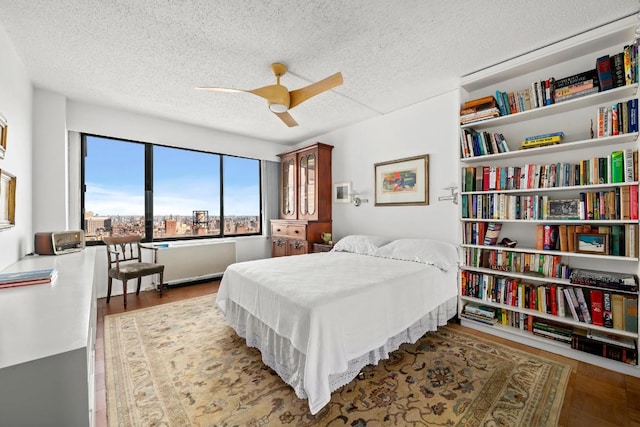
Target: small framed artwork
563	209
7	200
402	182
592	243
342	192
3	136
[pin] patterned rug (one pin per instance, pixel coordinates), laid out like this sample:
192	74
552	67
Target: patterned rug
180	364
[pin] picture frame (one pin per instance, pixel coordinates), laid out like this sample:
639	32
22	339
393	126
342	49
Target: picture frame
7	200
592	243
563	209
342	192
3	136
402	182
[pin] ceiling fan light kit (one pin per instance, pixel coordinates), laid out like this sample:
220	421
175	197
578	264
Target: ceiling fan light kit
280	99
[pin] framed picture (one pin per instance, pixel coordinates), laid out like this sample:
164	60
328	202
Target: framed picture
592	243
402	182
563	209
342	192
7	200
3	136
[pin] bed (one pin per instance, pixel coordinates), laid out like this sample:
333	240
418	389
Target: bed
318	319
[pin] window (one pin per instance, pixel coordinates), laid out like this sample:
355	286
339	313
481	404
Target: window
189	194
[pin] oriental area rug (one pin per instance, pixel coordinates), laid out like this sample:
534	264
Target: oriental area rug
180	364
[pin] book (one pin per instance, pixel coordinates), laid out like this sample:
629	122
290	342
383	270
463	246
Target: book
572	302
558	134
589	75
28	277
607	315
492	234
596	307
477	318
617	311
630	306
617	166
582	304
605	77
605	279
617	69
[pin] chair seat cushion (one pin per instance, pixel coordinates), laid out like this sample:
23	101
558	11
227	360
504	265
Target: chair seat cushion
135	270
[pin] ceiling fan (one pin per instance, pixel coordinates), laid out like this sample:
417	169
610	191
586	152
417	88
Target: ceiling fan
280	99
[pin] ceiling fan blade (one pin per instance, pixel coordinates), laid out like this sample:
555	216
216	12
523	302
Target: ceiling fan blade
298	96
220	89
287	119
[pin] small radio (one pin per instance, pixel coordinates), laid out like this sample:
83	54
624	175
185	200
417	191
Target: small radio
58	242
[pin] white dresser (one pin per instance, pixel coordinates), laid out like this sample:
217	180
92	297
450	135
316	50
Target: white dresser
47	344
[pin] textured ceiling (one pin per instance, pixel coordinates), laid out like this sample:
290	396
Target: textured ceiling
148	55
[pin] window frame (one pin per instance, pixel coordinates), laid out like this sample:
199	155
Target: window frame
148	191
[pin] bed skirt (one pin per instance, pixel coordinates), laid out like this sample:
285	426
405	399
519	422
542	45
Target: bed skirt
279	354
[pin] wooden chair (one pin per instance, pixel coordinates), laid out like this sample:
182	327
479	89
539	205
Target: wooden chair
124	257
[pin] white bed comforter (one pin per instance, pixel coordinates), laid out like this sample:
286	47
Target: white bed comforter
335	306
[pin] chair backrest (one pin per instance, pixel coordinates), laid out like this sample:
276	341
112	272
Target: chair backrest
127	248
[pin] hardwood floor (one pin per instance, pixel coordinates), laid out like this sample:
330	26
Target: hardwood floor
594	396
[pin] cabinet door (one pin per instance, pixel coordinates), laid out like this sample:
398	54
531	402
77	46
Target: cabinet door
278	246
288	204
307	188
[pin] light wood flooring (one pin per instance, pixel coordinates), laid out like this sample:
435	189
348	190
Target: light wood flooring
594	396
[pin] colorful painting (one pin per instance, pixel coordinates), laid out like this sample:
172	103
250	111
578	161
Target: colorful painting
402	182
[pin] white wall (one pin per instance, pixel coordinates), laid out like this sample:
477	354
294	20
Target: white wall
16	107
429	127
50	164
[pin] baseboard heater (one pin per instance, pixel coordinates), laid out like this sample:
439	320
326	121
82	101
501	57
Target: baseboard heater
188	262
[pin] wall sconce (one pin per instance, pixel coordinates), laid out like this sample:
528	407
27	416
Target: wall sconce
453	197
357	201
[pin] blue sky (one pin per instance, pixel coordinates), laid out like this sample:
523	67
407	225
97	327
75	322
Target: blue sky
184	180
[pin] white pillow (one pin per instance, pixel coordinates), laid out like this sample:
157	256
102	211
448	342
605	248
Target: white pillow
438	253
360	244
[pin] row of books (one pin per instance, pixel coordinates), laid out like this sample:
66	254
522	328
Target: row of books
593	341
517	262
617	239
480	313
618	70
618	167
622	349
617	119
609	72
479	109
594	306
617	204
24	278
620	239
474	144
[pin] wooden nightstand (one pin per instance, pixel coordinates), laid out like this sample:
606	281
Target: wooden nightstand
321	247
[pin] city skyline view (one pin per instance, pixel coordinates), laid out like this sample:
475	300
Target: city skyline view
185	182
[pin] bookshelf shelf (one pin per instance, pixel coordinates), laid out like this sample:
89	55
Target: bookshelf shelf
552	221
553	109
566	320
576	118
563	147
553	189
548	252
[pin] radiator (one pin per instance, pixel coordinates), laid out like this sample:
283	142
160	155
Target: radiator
186	262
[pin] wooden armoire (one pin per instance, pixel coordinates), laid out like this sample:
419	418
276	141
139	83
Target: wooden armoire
305	200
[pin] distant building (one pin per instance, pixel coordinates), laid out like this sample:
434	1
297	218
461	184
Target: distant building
97	224
170	227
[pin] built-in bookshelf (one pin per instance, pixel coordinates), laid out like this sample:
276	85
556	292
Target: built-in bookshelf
563	215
